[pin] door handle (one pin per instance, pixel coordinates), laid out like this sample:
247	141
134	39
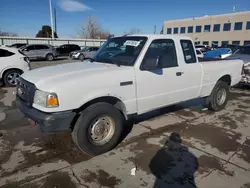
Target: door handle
179	73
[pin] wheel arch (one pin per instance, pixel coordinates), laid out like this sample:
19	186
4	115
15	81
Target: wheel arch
8	69
226	78
116	102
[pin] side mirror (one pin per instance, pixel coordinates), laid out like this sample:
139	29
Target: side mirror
151	64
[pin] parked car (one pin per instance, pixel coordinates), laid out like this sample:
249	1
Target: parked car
199	54
233	47
39	51
243	53
64	50
12	65
17	45
202	48
147	72
87	52
219	53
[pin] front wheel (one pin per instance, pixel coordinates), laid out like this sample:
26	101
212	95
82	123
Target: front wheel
10	77
219	96
98	129
81	57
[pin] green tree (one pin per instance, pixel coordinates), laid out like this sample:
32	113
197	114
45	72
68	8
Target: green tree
46	32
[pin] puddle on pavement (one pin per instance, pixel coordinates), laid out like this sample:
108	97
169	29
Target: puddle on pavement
34	147
58	180
102	178
208	163
225	141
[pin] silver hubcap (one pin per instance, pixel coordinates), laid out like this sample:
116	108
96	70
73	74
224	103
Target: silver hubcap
11	78
101	130
50	57
221	96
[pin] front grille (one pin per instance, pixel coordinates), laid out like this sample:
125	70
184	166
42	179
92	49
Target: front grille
25	91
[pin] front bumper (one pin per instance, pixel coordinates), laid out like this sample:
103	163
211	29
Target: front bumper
74	56
48	122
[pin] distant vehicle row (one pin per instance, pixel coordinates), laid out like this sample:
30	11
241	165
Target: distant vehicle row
49	53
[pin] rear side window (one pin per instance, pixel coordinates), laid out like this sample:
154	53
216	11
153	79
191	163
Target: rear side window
31	47
5	53
188	51
164	49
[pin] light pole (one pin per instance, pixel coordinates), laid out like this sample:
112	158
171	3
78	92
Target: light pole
51	19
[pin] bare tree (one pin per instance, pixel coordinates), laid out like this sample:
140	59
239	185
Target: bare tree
8	34
92	30
132	31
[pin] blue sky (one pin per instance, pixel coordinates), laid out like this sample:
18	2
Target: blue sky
25	17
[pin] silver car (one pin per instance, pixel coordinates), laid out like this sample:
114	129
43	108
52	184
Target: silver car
85	53
39	51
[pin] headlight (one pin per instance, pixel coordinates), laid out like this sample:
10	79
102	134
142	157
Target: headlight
45	99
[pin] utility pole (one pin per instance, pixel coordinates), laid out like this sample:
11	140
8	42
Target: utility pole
55	20
51	19
154	29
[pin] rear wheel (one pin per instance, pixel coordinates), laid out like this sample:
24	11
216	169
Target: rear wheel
219	96
49	57
98	129
10	77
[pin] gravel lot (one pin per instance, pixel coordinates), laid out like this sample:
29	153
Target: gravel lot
214	150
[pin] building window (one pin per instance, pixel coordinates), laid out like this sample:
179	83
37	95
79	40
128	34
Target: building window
215	43
169	30
227	27
198	29
236	42
247	42
248	25
238	26
197	42
190	29
183	29
205	43
176	30
216	27
207	28
223	43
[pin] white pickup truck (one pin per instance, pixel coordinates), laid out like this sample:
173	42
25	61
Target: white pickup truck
129	75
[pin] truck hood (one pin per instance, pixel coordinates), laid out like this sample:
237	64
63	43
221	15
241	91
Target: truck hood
64	72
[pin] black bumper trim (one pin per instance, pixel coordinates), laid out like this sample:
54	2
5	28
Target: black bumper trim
48	122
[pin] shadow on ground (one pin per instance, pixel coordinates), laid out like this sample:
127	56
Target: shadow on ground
174	165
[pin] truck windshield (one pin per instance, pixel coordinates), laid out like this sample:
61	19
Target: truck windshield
120	50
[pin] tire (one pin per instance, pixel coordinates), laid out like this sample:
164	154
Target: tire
81	57
49	57
219	96
10	77
84	135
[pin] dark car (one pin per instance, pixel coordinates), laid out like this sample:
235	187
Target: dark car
233	47
17	45
64	50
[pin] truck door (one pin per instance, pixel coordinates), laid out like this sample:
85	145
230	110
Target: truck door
163	86
192	70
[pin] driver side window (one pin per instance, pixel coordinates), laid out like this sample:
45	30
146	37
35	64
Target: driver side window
163	50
